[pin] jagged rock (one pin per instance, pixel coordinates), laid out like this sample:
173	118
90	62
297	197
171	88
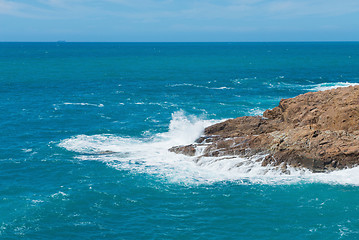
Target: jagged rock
317	130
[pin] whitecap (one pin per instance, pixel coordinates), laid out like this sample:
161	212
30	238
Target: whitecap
221	88
328	86
84	104
199	86
59	195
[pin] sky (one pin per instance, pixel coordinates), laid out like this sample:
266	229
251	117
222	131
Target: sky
179	20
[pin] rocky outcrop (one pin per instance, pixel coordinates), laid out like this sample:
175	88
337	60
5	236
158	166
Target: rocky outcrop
317	130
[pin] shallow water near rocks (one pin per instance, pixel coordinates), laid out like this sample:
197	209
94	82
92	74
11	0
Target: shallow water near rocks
86	128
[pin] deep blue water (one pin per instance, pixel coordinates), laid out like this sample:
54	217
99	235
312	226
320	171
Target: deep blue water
64	104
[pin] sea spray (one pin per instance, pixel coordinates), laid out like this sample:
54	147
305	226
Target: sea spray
151	156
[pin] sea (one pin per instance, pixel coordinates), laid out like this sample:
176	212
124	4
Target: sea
86	128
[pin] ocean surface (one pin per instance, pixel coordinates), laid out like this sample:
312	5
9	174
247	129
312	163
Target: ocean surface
64	106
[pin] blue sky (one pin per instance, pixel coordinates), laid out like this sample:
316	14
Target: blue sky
179	20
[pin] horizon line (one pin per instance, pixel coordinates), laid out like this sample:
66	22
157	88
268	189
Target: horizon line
64	41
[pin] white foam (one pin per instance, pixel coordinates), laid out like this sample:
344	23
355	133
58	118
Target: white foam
221	88
343	177
59	195
199	86
328	86
256	111
84	104
151	156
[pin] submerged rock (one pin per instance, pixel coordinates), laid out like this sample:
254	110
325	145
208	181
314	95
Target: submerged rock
317	130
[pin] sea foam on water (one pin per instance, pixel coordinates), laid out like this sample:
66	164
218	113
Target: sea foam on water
151	156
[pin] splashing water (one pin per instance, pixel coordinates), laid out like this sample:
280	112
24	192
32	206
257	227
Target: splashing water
151	156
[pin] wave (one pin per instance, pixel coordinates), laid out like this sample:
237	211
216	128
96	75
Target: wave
256	111
84	104
151	156
278	84
199	86
328	86
220	88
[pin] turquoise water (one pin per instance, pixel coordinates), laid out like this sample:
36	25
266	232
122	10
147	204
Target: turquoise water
64	104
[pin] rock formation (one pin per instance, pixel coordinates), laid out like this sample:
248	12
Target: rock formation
317	130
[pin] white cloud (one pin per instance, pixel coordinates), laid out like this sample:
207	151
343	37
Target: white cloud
23	10
319	8
10	8
159	10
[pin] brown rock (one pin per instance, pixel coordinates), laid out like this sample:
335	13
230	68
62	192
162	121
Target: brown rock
318	131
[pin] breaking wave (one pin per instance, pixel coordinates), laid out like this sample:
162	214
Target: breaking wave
328	86
84	104
151	156
199	86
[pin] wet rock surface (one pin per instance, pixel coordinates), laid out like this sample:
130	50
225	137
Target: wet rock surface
317	130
